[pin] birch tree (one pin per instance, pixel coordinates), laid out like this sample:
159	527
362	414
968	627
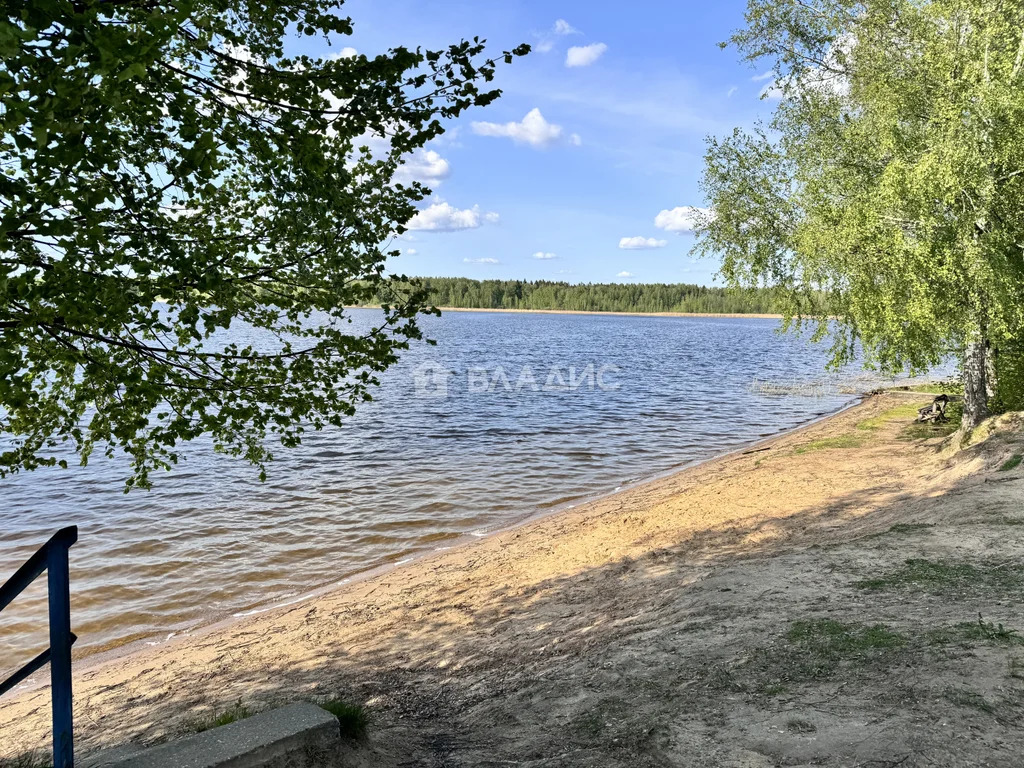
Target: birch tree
885	197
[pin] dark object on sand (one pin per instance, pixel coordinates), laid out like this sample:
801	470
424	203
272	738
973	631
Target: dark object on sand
936	412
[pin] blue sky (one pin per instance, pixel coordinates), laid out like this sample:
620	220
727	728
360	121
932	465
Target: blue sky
599	130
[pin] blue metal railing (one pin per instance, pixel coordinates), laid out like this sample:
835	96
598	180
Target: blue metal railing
52	557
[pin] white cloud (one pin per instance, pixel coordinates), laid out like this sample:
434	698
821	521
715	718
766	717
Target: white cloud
683	219
563	27
348	52
533	130
584	55
543	255
772	91
410	251
491	217
546	40
732	90
575	140
482	261
378	145
762	77
424	165
641	243
625	274
442	217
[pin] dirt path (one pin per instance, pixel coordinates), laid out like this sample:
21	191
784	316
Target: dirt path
755	611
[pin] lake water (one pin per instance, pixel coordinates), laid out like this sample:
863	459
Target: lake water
510	415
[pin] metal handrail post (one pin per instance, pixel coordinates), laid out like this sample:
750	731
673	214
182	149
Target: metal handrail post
53	558
58	582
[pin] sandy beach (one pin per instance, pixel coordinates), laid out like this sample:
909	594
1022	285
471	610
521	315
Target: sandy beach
657	626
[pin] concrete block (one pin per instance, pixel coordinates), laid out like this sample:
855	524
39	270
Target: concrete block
296	736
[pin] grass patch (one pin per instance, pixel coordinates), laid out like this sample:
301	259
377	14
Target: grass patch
974	633
817	648
843	441
353	717
811	650
1013	463
915	430
899	413
943	577
833	639
237	711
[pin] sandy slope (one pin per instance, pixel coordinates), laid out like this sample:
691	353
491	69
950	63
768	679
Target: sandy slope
676	623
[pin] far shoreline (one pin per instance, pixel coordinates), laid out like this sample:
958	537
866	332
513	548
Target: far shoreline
725	315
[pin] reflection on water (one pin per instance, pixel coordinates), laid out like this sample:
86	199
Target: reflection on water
410	473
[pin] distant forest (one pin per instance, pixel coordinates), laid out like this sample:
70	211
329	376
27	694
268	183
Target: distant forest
463	293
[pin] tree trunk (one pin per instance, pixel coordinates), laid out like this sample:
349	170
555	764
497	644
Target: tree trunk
991	378
975	386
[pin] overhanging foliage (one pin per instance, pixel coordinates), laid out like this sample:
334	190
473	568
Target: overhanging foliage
170	172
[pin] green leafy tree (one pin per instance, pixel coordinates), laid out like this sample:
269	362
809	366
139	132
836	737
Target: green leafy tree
885	198
169	172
